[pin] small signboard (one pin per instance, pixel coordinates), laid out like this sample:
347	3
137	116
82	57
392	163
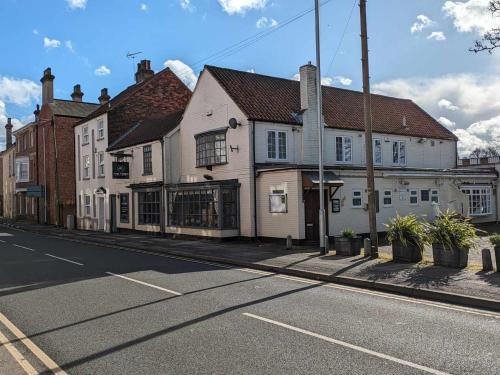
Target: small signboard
335	206
34	191
120	170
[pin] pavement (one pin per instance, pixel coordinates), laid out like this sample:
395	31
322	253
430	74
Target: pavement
85	308
468	287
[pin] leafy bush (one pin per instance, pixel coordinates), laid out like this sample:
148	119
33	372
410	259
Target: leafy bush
495	239
408	230
453	231
348	233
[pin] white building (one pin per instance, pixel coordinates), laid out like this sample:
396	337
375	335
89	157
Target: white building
258	176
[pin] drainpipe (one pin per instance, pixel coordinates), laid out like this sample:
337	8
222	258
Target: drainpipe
254	168
162	199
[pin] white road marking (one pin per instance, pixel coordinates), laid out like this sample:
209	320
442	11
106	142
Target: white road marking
6	235
24	247
350	346
144	283
3	241
44	358
23	362
64	259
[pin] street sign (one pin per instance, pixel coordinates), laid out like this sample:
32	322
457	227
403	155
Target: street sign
34	191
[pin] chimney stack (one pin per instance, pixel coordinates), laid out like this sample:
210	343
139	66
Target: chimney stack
36	112
104	98
8	133
77	94
144	71
47	86
308	103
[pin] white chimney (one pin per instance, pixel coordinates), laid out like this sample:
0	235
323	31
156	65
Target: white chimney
308	103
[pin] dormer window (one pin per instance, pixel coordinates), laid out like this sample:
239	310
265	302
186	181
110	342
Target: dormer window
211	148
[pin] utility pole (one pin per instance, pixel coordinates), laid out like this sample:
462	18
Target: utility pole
370	174
322	221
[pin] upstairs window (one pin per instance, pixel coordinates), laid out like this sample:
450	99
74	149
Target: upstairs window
85	135
399	153
86	166
276	145
343	149
211	149
377	151
22	170
100	164
147	160
100	129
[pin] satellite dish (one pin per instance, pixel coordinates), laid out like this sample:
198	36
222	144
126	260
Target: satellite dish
233	123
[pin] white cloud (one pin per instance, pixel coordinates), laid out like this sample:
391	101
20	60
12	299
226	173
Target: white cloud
183	71
51	43
77	4
437	35
21	92
468	142
446	104
264	22
35	31
471	15
186	5
69	45
447	122
329	81
241	6
103	70
144	7
251	70
422	23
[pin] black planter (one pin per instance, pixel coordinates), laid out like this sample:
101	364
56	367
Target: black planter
409	253
454	258
348	246
497	257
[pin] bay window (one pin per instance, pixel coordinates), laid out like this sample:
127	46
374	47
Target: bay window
343	149
479	200
399	153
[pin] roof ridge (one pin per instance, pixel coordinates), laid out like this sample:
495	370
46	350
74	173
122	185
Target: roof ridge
72	101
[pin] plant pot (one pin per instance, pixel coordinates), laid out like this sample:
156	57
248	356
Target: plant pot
348	246
454	258
409	253
497	257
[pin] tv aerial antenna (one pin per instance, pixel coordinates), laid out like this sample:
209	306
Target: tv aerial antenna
132	56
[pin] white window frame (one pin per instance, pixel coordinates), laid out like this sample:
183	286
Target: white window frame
276	144
434	195
484	192
381	161
85	135
416	195
100	129
399	162
354	196
87	206
278	202
344	153
86	166
100	164
385	195
19	174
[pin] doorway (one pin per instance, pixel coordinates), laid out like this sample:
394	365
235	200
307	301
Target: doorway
311	211
101	218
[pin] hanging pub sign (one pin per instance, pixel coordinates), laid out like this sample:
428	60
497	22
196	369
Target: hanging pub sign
120	170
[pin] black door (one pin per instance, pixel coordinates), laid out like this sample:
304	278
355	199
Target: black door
311	210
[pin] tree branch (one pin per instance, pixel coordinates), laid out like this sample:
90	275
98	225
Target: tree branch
490	40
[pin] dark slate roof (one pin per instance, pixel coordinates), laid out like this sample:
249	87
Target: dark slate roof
70	108
148	130
272	99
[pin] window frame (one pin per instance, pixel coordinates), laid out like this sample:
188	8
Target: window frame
86	167
19	171
435	194
100	164
344	161
360	197
209	150
87	206
410	195
147	160
277	145
100	129
85	135
399	144
390	196
428	200
381	162
145	208
481	195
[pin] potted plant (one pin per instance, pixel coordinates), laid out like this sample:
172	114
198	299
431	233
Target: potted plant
348	243
452	236
408	237
495	241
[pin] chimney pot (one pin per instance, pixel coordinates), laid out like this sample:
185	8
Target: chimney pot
8	133
144	71
37	113
104	98
47	86
77	94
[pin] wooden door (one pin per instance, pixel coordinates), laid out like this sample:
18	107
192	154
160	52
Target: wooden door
311	211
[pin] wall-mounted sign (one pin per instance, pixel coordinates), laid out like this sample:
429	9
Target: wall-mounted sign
335	206
120	170
34	191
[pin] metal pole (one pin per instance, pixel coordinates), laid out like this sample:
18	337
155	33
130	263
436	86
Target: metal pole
322	223
370	174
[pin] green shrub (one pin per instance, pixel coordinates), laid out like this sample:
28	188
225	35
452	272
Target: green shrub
348	233
495	239
453	231
408	230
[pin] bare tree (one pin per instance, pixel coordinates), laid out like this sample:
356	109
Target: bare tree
490	40
484	152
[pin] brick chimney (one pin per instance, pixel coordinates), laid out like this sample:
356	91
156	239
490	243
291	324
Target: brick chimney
308	103
104	98
144	71
77	94
47	86
8	133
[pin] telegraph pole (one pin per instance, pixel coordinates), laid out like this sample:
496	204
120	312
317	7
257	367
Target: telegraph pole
370	174
322	221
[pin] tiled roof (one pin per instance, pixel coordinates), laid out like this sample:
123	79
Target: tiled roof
70	108
272	99
148	130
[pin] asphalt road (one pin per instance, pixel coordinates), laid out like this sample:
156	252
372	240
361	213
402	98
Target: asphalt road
84	309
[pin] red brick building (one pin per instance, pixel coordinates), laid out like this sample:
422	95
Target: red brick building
56	153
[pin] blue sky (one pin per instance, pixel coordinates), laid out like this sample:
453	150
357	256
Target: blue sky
419	49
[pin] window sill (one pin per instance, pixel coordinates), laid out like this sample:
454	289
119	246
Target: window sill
101	176
85	178
85	144
211	165
147	174
480	215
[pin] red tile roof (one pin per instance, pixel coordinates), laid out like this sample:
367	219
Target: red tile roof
272	99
